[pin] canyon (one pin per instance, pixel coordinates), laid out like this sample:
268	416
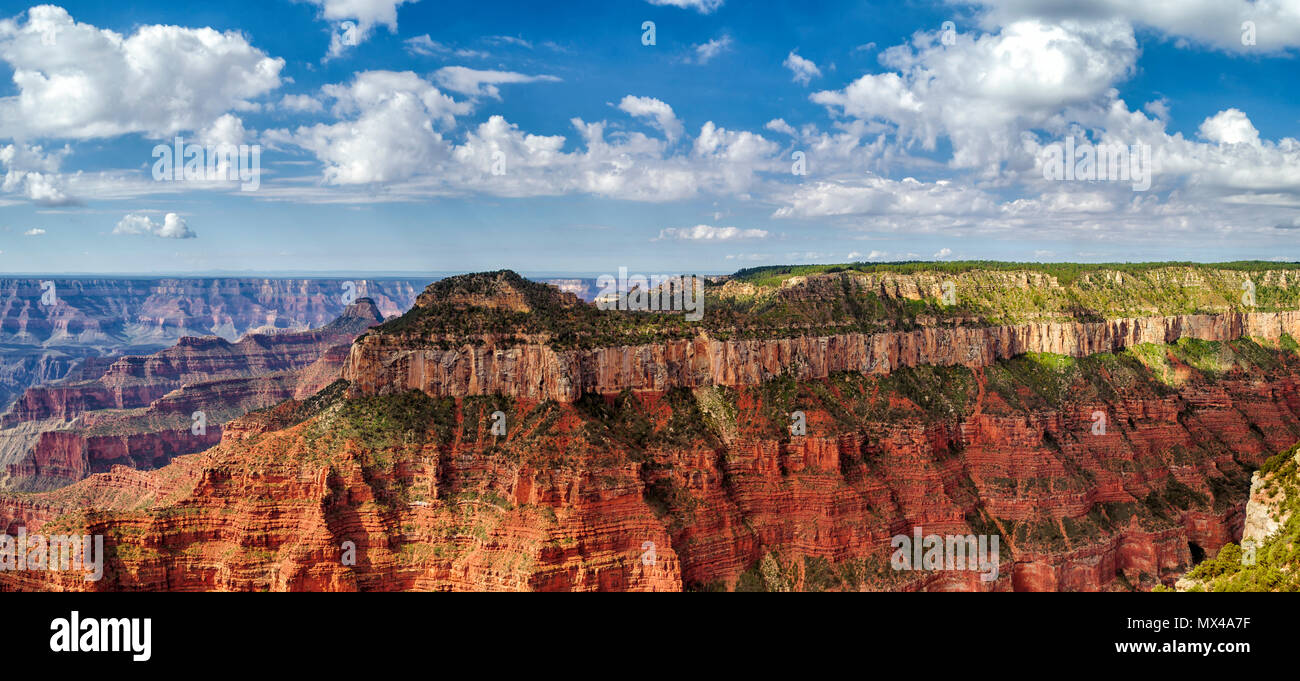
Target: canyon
1106	454
50	326
140	409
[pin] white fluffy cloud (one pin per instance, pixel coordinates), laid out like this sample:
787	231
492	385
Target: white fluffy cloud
173	226
477	83
401	131
804	70
352	21
1214	22
390	129
710	233
875	195
33	173
984	90
1230	127
657	111
78	81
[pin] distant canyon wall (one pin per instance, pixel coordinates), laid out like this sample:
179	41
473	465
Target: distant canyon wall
162	310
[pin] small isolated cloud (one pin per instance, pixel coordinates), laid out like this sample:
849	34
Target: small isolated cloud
476	83
1230	127
943	253
425	46
509	40
779	125
710	233
353	20
172	227
35	231
701	6
658	110
707	51
804	70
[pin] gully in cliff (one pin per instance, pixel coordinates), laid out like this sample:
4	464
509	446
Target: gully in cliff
951	552
56	553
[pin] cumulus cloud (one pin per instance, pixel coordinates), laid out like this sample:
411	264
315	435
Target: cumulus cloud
804	70
779	125
875	195
35	231
984	90
657	111
173	226
88	82
710	233
999	100
33	173
477	83
389	129
1230	127
1218	23
352	21
226	130
401	131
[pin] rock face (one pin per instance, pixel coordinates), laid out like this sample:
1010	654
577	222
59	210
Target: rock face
139	412
700	489
1107	455
380	364
1266	510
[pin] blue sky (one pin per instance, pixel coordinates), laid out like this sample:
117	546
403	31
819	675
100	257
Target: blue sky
545	137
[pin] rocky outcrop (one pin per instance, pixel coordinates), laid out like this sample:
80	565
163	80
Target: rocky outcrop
1266	510
383	363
